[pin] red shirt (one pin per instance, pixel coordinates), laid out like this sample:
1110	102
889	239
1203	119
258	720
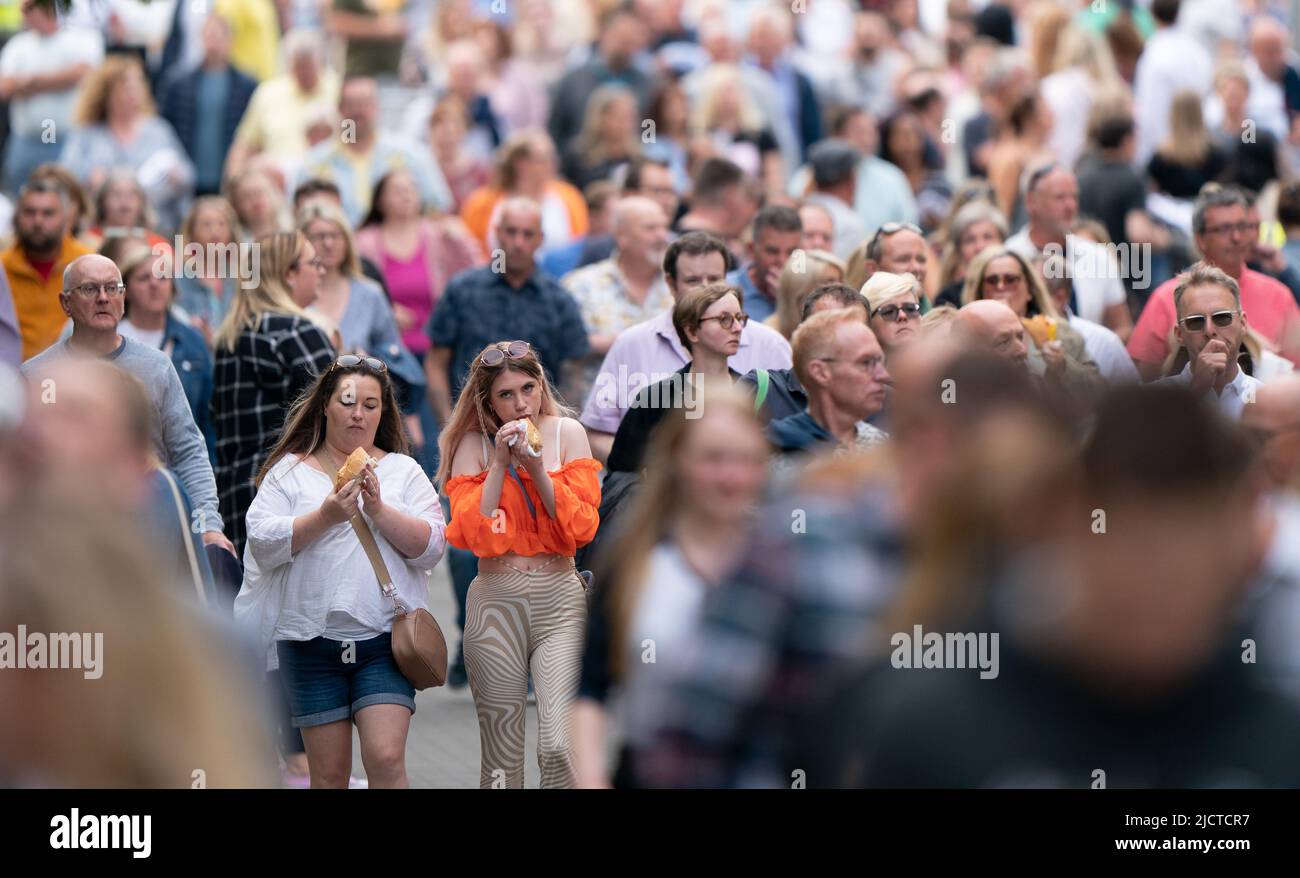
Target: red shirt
1269	306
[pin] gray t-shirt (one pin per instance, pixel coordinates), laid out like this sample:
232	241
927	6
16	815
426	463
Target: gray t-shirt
176	436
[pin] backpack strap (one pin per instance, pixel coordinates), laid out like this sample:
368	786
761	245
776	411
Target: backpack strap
764	382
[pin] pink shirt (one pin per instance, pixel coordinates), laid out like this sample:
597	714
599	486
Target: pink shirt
1268	304
409	285
651	351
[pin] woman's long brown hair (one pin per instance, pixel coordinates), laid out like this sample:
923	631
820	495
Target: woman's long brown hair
304	427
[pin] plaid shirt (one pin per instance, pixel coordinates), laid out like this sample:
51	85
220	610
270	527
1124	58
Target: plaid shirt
479	308
253	387
778	639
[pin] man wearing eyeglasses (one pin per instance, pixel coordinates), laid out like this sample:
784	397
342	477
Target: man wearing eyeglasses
1223	235
1210	325
94	298
842	369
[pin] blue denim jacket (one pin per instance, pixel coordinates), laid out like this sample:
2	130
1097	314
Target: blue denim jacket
193	362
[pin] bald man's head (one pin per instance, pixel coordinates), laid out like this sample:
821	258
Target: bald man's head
519	233
93	295
1268	43
992	325
640	231
1273	419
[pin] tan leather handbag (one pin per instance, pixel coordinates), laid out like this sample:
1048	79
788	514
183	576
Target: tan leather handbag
419	647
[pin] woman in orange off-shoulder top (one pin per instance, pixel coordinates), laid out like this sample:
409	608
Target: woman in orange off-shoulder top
524	508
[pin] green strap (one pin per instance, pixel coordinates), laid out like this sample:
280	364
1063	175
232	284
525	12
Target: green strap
764	382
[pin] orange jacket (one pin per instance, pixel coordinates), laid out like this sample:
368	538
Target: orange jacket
36	301
513	528
476	213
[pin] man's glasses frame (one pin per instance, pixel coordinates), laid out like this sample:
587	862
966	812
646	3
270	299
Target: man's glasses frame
92	290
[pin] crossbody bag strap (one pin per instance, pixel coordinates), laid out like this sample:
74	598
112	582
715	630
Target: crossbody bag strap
371	548
190	554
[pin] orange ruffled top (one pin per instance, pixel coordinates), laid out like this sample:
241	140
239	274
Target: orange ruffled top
577	513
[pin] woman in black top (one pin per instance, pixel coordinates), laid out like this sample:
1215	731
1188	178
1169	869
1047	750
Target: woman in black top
1188	159
709	323
268	351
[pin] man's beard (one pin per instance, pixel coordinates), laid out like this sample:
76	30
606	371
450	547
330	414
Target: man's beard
39	242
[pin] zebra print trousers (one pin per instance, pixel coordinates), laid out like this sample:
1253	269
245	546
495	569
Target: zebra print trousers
517	623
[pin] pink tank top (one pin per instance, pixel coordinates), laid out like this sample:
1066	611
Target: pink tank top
410	286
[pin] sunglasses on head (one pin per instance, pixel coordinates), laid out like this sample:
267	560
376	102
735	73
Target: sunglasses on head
495	355
347	361
1196	322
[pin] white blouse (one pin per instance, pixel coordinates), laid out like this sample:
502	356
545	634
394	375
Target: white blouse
329	587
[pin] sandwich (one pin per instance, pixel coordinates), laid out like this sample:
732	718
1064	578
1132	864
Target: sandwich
534	437
1041	327
357	461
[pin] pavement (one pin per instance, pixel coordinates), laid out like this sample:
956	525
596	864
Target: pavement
442	750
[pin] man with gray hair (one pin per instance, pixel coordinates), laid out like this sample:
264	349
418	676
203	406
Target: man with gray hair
623	290
834	166
1223	235
1051	193
279	112
93	297
1211	325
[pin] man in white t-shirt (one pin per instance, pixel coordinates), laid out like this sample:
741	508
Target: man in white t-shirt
1051	194
40	70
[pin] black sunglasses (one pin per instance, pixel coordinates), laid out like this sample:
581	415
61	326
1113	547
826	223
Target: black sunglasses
347	361
891	313
1196	322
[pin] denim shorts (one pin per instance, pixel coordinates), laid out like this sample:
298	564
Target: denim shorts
325	687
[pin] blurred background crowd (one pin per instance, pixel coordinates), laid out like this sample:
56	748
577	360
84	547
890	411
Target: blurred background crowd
994	304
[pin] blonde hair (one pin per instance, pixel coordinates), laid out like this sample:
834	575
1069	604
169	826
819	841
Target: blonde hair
855	267
1048	22
590	144
214	202
1188	142
884	287
92	103
473	412
171	699
1039	301
657	506
712	82
819	267
521	144
317	211
279	253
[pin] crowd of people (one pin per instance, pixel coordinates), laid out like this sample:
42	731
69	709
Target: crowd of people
719	348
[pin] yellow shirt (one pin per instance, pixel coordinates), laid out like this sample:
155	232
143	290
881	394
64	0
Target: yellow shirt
254	36
276	119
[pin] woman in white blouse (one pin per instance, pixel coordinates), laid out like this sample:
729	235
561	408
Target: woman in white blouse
309	587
